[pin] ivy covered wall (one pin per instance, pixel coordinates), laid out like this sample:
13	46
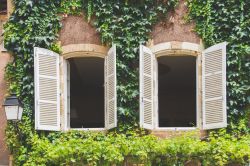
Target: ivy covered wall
218	21
127	23
4	59
77	30
175	27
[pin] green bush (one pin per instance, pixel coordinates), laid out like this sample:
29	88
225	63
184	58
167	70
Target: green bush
77	148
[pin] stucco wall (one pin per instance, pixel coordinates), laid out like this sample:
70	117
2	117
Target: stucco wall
4	59
175	28
76	30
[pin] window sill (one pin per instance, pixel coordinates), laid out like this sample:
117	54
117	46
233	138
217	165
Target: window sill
174	128
87	129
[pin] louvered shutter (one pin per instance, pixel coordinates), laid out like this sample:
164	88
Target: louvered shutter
47	94
214	87
146	87
110	89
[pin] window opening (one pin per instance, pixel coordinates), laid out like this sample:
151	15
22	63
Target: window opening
3	6
87	92
177	91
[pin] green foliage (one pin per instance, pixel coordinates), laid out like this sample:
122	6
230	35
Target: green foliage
77	148
71	7
226	148
126	24
33	23
228	20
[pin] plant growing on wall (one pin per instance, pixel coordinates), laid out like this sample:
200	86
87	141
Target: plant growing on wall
218	21
127	23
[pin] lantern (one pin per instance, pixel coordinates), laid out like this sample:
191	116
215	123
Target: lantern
13	108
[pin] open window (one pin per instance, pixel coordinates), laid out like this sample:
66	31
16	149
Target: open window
3	7
86	89
176	91
168	90
89	91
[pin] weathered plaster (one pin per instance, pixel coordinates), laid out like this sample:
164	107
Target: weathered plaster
175	27
4	59
76	30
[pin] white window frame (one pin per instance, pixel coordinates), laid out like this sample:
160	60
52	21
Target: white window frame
66	68
175	48
156	114
2	48
83	51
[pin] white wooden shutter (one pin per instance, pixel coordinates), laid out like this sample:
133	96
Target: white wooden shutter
110	89
146	88
214	87
47	94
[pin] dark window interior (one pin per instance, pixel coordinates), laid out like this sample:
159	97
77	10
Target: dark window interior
177	91
3	6
87	92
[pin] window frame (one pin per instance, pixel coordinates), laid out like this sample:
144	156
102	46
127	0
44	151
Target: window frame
156	112
4	15
175	48
4	12
67	99
76	51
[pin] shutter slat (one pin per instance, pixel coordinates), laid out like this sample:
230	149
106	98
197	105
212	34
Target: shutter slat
110	70
47	95
146	88
214	87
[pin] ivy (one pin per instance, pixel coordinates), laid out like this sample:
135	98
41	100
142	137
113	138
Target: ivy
126	23
71	7
33	24
227	20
